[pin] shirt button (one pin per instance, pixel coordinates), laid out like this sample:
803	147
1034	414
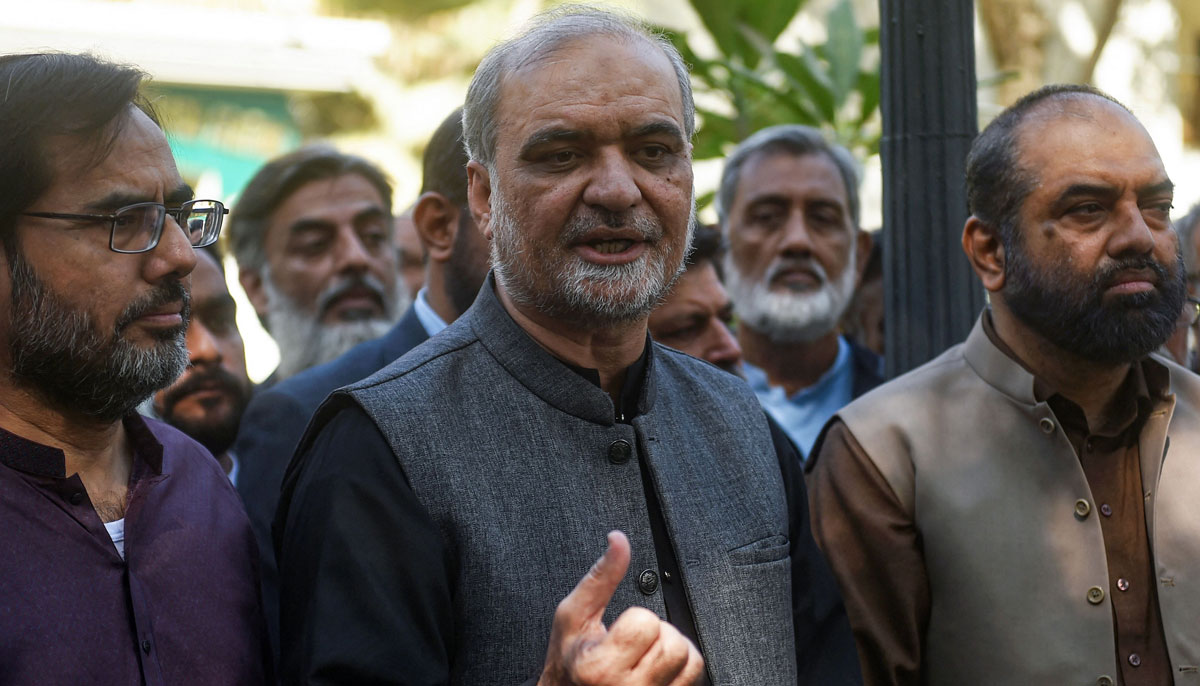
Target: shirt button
1082	508
1104	681
77	497
1095	595
620	451
146	647
1047	425
1106	510
666	576
1090	445
648	581
1123	584
1135	659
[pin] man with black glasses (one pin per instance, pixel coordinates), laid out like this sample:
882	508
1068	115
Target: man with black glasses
125	555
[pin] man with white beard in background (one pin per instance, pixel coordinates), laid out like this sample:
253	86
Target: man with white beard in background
312	234
788	203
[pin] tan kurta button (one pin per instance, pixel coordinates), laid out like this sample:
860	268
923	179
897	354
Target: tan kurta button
1082	508
1095	595
1047	425
1104	681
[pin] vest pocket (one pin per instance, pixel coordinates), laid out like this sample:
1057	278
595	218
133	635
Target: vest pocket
762	551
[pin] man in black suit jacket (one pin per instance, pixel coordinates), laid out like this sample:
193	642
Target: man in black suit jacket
456	264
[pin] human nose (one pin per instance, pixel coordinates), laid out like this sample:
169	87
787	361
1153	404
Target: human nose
202	345
797	239
721	347
1133	236
174	256
612	185
351	255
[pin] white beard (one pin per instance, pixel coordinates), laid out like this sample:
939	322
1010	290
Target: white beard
789	317
305	341
545	276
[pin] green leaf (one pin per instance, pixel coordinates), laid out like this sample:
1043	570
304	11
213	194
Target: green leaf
725	19
810	79
868	86
802	109
843	50
714	132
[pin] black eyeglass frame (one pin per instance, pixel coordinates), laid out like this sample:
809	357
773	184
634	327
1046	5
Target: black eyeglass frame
1195	314
175	213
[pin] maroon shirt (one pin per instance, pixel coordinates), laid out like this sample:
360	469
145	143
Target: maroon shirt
182	608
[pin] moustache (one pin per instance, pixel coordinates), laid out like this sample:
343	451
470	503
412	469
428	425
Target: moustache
163	294
787	265
1108	274
208	377
586	220
339	288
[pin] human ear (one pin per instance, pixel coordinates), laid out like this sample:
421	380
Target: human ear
256	291
436	220
479	197
985	251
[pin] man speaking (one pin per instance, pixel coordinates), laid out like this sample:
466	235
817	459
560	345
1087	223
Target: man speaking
439	511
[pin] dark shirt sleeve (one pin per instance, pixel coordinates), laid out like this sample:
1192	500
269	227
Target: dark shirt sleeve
874	548
825	653
364	574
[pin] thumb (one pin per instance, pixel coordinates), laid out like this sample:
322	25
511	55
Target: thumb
591	595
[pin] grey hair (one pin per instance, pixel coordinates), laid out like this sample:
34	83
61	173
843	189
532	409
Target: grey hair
793	139
1186	227
548	32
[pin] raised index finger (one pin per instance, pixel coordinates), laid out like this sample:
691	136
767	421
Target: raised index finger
591	595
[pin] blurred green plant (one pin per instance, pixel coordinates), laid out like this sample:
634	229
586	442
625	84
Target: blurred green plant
753	83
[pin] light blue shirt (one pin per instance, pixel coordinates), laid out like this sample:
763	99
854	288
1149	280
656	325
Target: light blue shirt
803	415
429	319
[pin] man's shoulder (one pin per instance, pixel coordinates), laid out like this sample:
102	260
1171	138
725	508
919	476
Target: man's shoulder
867	366
696	381
184	456
1184	383
425	367
310	387
679	365
927	376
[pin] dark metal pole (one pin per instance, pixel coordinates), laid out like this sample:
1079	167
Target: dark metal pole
929	120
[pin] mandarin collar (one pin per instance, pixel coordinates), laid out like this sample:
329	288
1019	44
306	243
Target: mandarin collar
541	372
36	459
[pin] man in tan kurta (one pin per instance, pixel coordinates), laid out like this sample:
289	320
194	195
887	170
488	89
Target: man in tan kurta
1025	509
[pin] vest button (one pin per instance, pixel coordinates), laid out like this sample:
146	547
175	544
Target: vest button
1104	681
1095	595
1047	425
1082	508
648	581
619	451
